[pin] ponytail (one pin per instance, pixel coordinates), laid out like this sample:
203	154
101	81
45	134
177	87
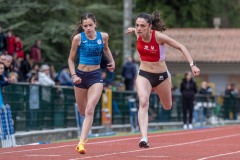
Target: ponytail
77	29
157	23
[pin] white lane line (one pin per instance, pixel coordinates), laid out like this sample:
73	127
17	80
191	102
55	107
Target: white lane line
153	156
42	155
153	148
218	155
124	139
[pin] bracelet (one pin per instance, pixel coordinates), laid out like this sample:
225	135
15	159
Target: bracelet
192	64
73	75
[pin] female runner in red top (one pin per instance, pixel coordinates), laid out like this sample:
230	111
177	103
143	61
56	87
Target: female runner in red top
153	72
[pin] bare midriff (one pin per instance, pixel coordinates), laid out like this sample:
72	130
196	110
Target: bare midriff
88	68
153	67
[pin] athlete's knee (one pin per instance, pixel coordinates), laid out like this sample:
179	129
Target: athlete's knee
89	112
143	101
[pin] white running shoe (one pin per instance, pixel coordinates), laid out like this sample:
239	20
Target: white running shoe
185	126
143	143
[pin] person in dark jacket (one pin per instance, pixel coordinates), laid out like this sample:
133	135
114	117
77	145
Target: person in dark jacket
188	90
230	102
129	72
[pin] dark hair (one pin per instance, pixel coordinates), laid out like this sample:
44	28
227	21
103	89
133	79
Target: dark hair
33	77
2	76
2	63
78	27
154	19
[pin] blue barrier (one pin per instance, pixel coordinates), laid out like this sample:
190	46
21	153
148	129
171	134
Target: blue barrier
6	127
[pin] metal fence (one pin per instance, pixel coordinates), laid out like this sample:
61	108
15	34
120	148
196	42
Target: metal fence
39	107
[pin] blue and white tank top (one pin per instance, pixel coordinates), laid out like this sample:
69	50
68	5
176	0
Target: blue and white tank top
90	51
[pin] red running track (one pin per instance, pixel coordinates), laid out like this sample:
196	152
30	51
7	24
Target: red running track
220	143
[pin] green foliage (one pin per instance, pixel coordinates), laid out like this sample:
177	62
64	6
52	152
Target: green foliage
229	12
48	21
193	13
51	21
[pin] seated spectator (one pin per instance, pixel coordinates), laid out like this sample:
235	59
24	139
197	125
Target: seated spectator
44	76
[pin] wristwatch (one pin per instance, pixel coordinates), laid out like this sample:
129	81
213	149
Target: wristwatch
192	64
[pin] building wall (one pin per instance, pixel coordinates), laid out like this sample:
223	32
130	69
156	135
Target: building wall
220	81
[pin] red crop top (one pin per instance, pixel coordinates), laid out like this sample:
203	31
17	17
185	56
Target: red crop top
151	51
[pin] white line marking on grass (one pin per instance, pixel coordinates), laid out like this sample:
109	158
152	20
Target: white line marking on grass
123	139
153	148
219	155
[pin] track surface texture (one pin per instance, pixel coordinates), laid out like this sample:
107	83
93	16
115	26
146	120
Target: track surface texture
220	143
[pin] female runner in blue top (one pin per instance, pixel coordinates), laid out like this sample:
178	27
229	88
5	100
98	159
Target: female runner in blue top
87	77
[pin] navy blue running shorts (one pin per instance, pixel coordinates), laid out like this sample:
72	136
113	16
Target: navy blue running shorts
89	78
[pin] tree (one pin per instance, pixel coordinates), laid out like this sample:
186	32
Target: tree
193	13
52	21
44	20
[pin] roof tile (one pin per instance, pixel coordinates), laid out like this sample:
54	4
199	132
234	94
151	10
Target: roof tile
205	45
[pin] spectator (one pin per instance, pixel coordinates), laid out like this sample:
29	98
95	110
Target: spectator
11	40
25	66
188	90
204	95
2	58
16	68
3	41
19	48
33	100
129	73
13	77
36	53
3	82
44	76
201	107
53	73
8	65
64	77
230	102
34	70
